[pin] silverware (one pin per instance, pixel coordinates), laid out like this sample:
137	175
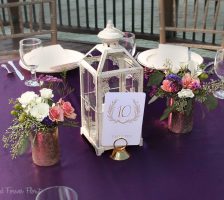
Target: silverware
7	69
16	70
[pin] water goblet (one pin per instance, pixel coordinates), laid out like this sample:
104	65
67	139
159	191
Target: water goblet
128	42
219	70
57	193
30	50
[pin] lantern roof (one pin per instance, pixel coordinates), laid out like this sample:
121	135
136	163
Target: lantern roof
102	58
109	56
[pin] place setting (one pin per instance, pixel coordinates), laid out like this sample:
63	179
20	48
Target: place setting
36	58
51	59
156	58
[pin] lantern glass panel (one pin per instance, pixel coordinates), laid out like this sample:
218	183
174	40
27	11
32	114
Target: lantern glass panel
132	82
93	58
116	61
89	104
89	88
89	123
110	84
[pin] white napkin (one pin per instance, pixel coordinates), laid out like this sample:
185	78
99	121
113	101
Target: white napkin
54	55
172	53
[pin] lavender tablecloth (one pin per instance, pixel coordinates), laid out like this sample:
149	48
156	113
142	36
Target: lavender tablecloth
167	167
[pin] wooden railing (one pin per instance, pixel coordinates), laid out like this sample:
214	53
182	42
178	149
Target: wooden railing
138	16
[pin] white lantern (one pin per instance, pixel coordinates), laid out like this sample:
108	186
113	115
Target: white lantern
107	67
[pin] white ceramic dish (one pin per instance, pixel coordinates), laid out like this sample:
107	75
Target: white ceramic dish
70	62
149	59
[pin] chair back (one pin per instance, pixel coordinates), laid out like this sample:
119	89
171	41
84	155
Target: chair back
198	23
27	19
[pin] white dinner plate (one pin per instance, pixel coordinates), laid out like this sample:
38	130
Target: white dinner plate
73	57
149	59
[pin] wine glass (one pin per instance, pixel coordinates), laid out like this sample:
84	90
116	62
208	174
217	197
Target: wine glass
219	70
128	42
30	50
57	193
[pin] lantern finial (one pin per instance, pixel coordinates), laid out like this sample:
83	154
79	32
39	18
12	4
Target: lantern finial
110	34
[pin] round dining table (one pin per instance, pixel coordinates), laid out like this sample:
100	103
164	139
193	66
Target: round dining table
167	167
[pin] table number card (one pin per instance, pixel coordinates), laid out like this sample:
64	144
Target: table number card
122	117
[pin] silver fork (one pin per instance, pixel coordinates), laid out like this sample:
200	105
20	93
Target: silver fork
7	69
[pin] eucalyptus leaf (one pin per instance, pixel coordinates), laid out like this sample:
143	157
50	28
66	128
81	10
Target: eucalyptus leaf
155	78
154	98
23	145
189	106
211	102
166	112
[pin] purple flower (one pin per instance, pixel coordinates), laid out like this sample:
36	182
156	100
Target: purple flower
174	78
50	79
47	121
195	86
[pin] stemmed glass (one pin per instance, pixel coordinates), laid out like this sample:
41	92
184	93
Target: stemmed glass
30	50
128	42
219	70
57	193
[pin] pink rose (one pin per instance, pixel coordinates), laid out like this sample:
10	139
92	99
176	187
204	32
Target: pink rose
56	114
68	109
186	80
189	82
166	86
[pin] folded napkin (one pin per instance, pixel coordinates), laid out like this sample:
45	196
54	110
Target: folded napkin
51	59
173	54
54	55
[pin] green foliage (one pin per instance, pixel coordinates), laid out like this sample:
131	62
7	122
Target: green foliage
189	106
17	135
211	102
166	112
156	78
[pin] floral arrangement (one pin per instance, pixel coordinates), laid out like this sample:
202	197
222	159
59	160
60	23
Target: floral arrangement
35	113
188	82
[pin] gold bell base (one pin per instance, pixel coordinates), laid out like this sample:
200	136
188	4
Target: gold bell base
120	153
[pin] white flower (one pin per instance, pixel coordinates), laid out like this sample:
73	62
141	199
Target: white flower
38	100
46	93
175	69
194	68
33	103
26	98
185	93
40	111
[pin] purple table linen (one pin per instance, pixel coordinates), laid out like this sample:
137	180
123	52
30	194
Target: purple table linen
167	167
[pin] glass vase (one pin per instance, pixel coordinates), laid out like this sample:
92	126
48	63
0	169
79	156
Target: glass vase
45	147
180	122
